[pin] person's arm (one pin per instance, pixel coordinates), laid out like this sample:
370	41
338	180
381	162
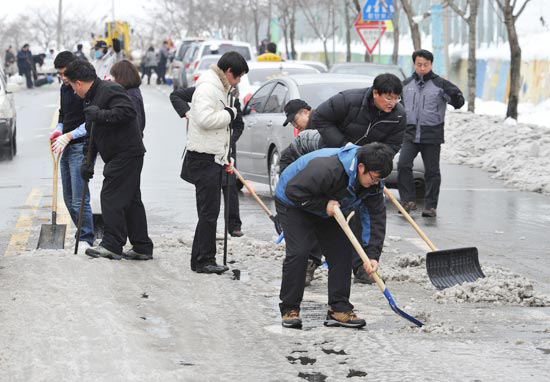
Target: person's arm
120	108
373	222
206	113
238	124
180	99
455	96
326	118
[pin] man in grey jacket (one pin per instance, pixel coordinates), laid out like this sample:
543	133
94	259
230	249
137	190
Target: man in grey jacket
425	96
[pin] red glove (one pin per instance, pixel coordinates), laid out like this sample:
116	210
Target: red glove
54	135
229	167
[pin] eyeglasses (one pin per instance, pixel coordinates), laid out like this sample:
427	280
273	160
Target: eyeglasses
374	180
391	100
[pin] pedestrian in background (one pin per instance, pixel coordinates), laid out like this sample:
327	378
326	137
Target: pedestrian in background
149	63
112	124
425	96
271	54
208	143
126	74
68	138
162	61
25	64
103	60
9	62
79	53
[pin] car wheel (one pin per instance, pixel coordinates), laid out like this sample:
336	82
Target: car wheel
10	149
274	170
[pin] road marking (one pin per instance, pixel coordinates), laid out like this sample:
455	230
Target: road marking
418	243
20	238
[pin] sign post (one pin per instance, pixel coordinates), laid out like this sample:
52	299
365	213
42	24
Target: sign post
371	25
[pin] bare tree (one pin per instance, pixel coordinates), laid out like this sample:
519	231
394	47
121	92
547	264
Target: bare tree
395	54
469	14
368	57
349	9
507	8
44	27
415	31
315	12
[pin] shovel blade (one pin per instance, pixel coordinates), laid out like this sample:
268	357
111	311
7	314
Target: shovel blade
450	267
99	226
52	236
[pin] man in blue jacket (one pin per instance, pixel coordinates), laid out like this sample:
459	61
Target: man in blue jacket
305	196
425	96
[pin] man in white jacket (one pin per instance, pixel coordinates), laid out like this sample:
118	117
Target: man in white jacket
208	151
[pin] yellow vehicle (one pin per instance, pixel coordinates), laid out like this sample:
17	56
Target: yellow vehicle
119	30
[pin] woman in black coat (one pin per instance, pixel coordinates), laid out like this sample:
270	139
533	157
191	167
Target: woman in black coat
126	74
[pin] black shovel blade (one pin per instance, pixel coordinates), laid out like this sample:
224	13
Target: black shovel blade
99	226
450	267
52	236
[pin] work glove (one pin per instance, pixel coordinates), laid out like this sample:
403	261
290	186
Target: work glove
91	112
61	142
56	133
277	222
229	167
86	171
231	110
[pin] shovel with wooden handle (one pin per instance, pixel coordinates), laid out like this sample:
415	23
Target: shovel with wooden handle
447	267
349	233
52	236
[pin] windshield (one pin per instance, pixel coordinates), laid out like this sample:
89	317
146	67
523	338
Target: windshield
206	62
368	70
221	49
316	94
257	77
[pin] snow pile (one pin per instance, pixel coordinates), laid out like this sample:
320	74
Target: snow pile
499	287
518	154
408	267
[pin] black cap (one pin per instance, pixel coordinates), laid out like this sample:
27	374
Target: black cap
293	107
100	44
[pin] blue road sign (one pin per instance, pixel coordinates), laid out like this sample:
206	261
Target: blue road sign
378	10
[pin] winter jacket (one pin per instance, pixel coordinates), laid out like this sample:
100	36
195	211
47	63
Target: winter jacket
351	116
208	120
181	98
115	132
330	174
71	111
24	61
305	142
425	99
103	65
137	101
150	59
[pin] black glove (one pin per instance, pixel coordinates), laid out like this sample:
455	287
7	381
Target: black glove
277	222
86	171
232	112
91	112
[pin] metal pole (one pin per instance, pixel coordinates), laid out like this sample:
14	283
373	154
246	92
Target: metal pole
113	9
59	30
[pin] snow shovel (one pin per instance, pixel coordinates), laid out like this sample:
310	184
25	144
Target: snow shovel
264	207
347	230
447	267
52	236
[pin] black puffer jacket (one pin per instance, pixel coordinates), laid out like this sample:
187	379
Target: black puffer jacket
305	142
351	116
115	132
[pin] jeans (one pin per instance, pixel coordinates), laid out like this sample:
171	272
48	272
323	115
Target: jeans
72	190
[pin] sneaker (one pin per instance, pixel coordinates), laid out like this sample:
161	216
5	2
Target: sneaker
133	255
236	233
310	272
83	246
409	206
100	251
346	319
291	319
429	213
360	276
211	268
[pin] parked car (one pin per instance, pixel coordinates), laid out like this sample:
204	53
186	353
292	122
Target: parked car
367	69
8	119
198	50
260	72
264	136
322	68
179	78
204	65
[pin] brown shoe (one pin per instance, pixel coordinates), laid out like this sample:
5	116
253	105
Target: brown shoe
346	319
429	213
310	272
409	206
291	319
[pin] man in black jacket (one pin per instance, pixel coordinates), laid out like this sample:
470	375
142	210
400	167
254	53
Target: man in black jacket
180	99
112	125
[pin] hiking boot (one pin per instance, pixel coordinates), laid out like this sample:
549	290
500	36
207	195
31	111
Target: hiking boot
100	251
360	276
211	268
346	319
133	255
310	271
236	233
291	319
429	213
408	207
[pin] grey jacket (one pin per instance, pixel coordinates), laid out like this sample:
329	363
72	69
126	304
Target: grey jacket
425	102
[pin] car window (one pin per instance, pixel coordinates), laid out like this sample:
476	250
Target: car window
206	62
181	52
256	103
190	53
315	94
257	77
277	100
223	48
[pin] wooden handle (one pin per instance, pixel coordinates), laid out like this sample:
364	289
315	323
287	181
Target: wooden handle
244	182
349	233
409	219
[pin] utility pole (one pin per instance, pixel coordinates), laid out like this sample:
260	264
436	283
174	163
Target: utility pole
59	30
113	8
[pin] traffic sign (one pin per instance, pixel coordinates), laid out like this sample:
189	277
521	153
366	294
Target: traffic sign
370	32
378	10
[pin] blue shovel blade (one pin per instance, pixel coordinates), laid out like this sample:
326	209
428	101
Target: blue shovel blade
280	238
394	307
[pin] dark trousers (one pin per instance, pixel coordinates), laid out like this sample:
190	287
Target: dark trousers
302	230
432	176
28	76
234	220
201	170
147	71
161	72
121	206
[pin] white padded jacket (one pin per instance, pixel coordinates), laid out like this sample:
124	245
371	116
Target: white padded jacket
208	120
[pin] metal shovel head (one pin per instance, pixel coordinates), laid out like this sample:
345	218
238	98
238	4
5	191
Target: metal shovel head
450	267
99	226
52	236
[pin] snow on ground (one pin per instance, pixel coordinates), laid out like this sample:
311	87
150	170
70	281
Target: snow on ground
519	154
